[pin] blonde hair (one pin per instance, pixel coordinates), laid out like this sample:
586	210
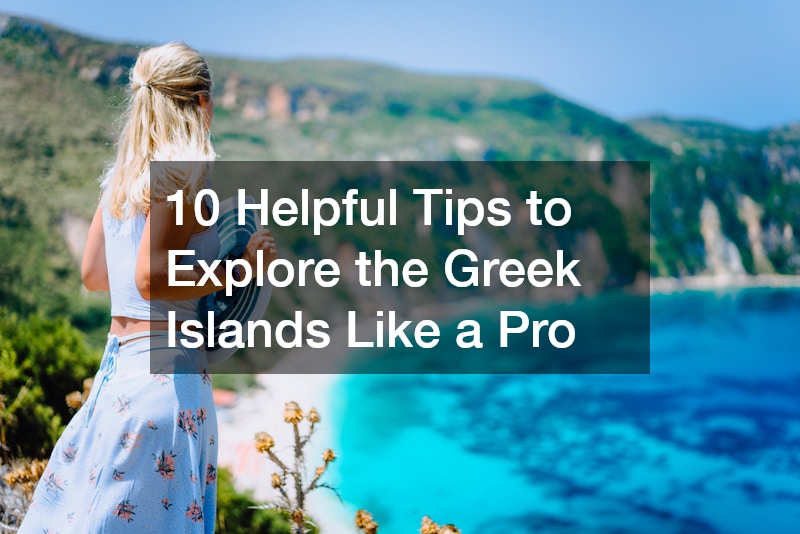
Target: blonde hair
164	121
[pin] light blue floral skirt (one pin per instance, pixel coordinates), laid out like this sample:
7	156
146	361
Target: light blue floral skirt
140	455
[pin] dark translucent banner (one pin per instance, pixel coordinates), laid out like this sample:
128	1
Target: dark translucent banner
406	267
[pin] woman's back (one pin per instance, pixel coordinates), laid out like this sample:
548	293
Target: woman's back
122	242
140	455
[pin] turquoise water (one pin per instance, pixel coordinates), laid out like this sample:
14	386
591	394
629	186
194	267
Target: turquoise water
708	442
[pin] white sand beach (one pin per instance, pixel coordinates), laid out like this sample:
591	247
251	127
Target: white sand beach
718	282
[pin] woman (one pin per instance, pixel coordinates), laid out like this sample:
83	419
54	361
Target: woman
140	455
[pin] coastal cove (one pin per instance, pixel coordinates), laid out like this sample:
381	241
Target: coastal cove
706	439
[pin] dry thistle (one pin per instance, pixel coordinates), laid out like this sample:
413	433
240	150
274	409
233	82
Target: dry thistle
365	522
294	483
362	518
428	526
292	413
26	475
299	517
313	416
264	442
74	400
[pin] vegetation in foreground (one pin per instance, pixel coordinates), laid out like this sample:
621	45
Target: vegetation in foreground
293	481
43	368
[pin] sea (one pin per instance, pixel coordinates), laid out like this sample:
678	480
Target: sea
708	441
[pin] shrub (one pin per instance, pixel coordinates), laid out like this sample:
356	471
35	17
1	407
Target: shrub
41	361
235	514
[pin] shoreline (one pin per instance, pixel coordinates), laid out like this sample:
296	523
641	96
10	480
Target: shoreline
261	408
667	285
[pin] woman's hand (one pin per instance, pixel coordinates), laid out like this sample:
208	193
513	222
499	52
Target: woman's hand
162	234
260	240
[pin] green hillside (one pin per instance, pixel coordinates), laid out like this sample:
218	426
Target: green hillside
723	200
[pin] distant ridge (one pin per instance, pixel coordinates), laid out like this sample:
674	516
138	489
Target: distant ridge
723	201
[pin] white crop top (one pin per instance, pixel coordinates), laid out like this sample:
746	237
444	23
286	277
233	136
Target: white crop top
122	239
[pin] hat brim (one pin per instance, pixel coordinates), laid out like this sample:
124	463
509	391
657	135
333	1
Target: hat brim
245	303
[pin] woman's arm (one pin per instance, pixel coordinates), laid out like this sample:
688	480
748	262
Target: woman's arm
94	270
162	234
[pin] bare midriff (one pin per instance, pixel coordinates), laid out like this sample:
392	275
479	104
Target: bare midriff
125	326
